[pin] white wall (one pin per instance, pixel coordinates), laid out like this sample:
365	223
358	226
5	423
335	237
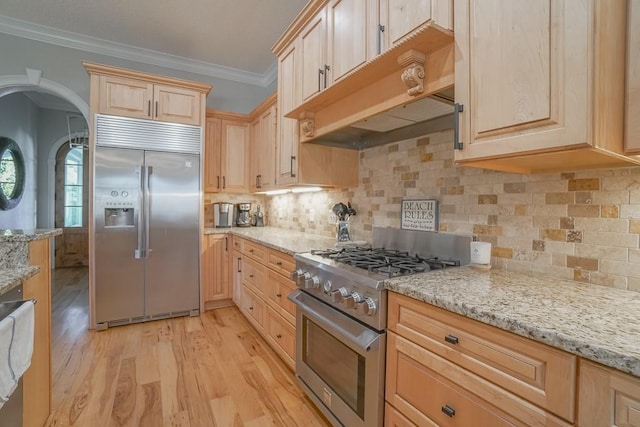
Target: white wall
19	121
63	65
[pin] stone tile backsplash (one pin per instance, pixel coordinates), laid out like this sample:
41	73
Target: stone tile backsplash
580	225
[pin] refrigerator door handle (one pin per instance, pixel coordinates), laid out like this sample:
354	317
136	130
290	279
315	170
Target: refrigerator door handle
147	208
139	252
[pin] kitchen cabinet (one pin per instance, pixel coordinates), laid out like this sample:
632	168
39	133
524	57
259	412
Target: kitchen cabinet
632	91
262	176
226	153
264	285
129	93
472	371
216	279
607	397
343	61
37	379
541	84
306	164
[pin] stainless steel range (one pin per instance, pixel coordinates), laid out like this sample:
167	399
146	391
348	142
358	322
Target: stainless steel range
342	317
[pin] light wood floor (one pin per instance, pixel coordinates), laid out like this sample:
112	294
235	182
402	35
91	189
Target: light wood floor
211	370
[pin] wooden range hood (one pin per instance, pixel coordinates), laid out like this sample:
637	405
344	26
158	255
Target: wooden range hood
405	92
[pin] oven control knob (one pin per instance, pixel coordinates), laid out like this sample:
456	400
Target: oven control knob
311	282
349	300
302	278
327	286
367	307
336	296
295	274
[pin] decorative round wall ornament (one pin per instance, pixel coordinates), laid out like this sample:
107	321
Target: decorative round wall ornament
12	174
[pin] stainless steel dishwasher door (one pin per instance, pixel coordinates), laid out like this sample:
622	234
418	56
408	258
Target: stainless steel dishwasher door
11	412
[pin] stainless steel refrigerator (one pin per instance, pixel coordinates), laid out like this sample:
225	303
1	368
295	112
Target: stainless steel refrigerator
146	213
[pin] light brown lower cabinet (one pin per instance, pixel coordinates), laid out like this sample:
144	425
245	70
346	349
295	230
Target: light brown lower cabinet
607	397
216	280
37	379
446	369
261	275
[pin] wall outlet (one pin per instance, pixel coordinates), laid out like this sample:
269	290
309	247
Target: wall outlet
332	218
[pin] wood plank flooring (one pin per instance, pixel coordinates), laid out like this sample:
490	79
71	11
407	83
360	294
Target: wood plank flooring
211	370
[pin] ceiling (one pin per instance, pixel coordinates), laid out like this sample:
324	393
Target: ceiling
221	38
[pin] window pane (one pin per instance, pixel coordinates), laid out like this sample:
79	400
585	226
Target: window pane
73	196
7	173
73	175
74	156
73	216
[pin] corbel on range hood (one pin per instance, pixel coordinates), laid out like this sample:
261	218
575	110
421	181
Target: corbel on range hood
403	93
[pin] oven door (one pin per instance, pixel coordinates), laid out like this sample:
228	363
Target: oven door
339	363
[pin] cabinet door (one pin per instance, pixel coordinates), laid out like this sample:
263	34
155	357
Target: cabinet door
236	275
287	143
175	104
607	397
313	56
632	96
37	379
263	151
235	156
212	156
215	268
522	74
348	36
401	17
125	97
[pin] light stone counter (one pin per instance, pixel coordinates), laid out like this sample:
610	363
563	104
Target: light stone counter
14	255
287	241
11	278
598	323
19	235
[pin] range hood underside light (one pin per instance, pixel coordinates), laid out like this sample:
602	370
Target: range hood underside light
428	115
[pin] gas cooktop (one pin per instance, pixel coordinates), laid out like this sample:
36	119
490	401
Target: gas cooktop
386	262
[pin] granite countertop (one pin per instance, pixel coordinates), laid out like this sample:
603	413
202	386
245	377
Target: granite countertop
287	241
596	322
10	278
19	235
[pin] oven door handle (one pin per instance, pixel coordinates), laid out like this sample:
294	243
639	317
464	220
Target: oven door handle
360	338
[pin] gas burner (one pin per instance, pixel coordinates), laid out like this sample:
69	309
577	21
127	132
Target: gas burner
388	271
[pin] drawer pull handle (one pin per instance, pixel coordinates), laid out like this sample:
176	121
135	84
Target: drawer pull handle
278	295
250	308
251	275
451	339
278	263
278	336
251	250
448	410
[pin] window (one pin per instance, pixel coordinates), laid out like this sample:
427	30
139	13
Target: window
12	174
73	188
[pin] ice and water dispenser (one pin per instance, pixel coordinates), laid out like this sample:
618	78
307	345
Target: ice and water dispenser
119	208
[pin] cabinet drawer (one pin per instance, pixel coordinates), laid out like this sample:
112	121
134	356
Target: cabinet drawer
281	262
414	372
254	275
393	418
237	243
255	251
536	372
607	397
253	307
282	335
278	288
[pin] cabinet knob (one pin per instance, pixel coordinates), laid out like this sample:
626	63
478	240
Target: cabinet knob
251	308
251	276
448	410
451	339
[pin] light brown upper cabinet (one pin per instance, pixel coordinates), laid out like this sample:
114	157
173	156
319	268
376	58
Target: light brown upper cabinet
146	96
226	152
632	95
262	173
347	60
541	84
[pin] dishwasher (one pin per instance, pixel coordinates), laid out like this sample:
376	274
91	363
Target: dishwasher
11	412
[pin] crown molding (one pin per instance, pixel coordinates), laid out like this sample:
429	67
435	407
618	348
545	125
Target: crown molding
28	30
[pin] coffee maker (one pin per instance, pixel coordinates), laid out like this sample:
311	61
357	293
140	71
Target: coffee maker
243	216
222	214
